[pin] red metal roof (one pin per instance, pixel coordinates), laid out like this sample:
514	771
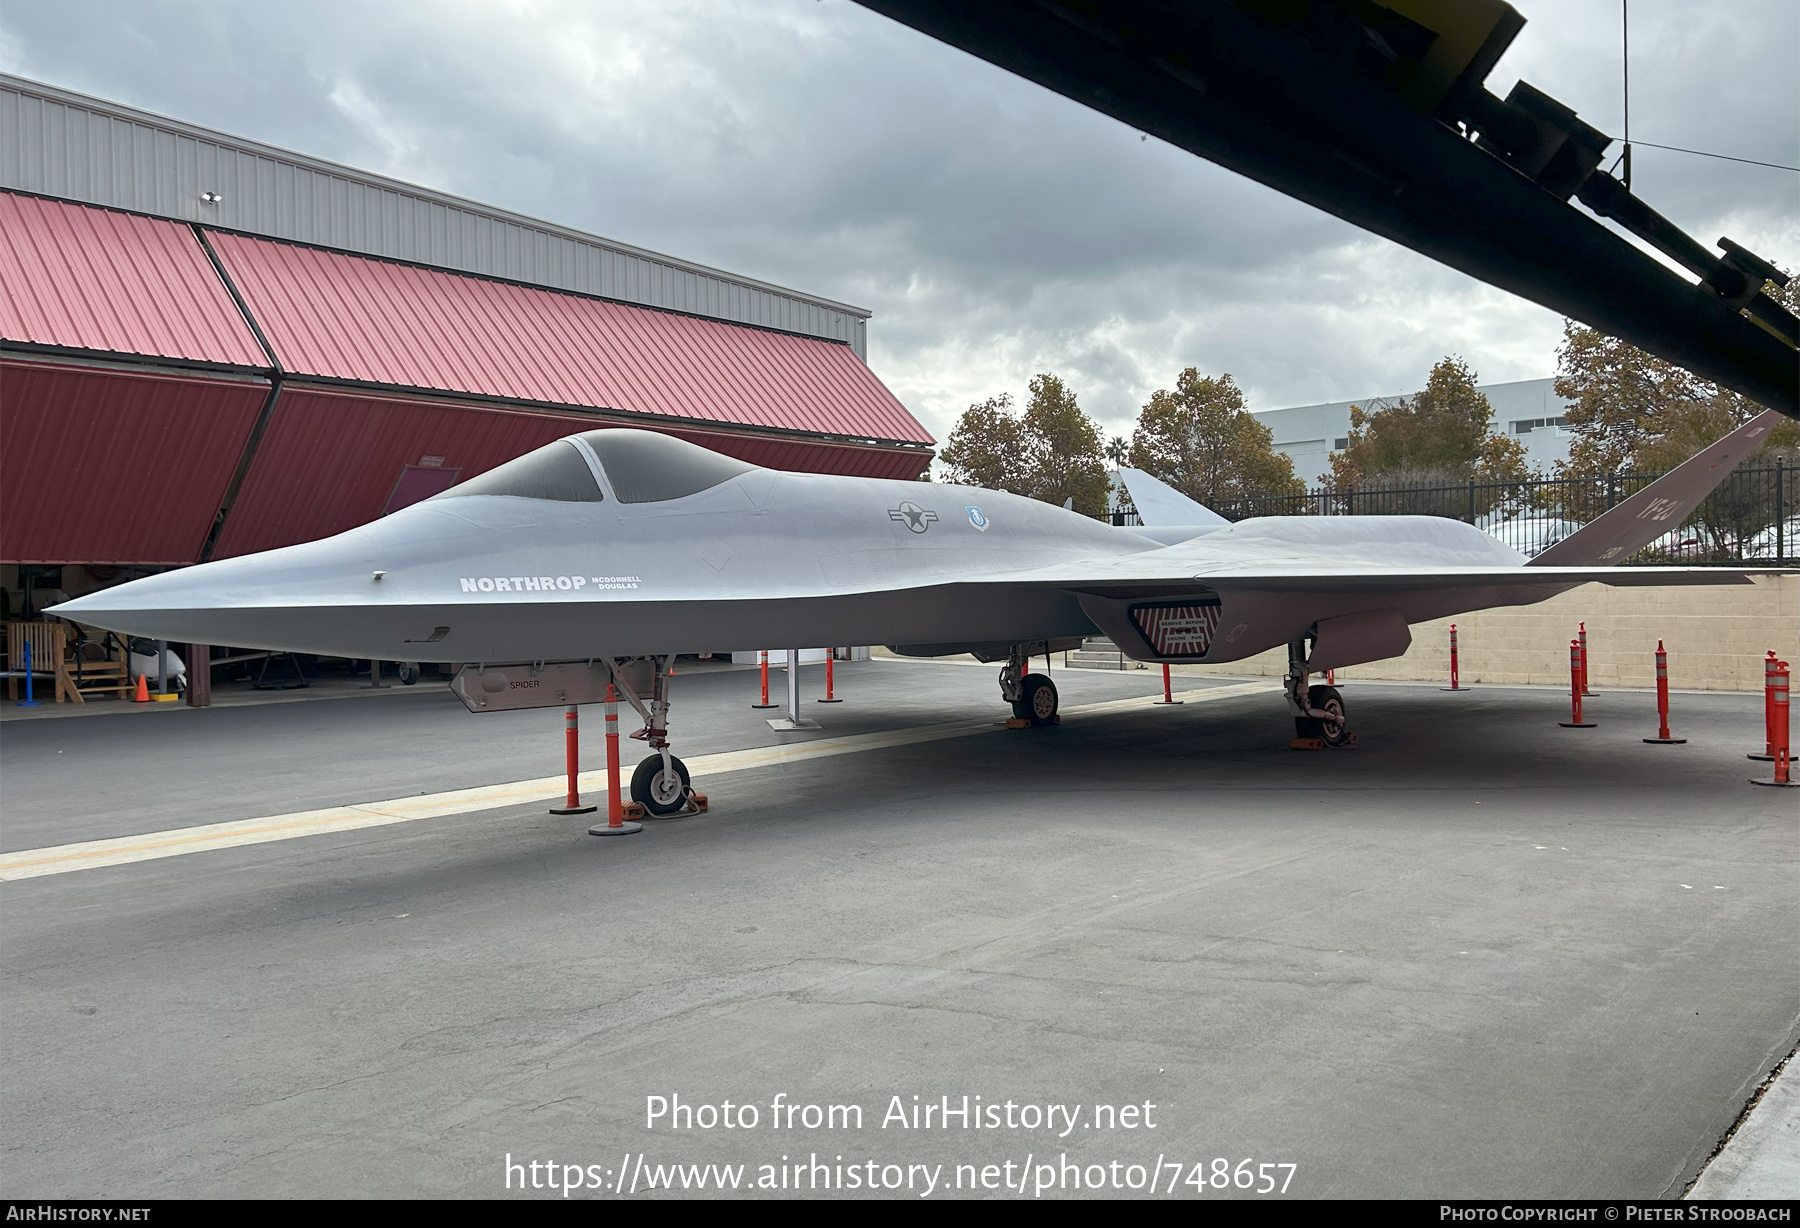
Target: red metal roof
371	321
91	279
329	458
108	466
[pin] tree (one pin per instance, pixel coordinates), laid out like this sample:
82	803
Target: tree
1051	451
1438	436
1199	439
1063	447
1616	392
1679	430
1632	413
986	447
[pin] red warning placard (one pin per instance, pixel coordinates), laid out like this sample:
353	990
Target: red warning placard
1178	630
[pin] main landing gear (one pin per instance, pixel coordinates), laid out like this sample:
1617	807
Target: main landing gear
660	784
1032	696
1318	710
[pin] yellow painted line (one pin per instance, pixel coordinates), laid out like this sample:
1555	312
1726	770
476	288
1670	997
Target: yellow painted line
92	854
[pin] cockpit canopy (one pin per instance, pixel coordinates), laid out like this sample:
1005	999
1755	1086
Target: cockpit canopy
645	467
640	466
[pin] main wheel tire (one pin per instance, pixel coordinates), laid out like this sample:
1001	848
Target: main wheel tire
654	791
409	672
1335	729
1040	700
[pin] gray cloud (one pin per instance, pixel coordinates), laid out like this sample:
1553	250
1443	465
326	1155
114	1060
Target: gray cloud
995	229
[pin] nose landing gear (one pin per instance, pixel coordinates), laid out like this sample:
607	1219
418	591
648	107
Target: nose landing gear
1032	696
661	784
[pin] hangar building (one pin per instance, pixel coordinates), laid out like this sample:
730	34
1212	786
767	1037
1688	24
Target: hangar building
210	347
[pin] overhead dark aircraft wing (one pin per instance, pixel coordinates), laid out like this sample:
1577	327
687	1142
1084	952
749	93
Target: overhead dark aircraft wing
1369	109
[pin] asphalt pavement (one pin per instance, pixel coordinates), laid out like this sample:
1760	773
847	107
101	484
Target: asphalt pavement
1478	955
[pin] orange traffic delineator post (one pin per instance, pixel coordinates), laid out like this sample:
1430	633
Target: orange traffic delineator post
1783	764
1168	695
763	661
1575	689
1662	737
1455	666
1768	750
615	824
1331	677
1581	635
830	678
143	691
572	763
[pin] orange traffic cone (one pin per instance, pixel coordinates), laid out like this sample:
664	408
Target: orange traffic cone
143	691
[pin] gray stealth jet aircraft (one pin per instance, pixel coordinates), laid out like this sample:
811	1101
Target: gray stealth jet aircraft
601	556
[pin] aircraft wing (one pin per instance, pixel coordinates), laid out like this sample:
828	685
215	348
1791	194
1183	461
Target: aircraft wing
1348	553
1177	569
1357	582
1320	579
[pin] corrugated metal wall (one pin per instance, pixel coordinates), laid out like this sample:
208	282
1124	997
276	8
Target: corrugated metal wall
376	322
117	465
63	144
75	278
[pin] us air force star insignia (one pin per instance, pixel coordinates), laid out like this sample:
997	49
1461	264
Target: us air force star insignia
977	518
914	517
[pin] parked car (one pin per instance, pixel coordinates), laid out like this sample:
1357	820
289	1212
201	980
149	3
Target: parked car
143	661
1762	545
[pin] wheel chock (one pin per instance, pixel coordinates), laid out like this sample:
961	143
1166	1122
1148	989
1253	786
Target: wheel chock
1306	743
696	801
633	810
1018	722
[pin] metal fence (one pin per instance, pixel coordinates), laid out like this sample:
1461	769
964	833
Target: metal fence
1753	517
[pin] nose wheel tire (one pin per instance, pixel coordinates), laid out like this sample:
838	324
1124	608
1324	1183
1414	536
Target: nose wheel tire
655	790
1040	701
1335	728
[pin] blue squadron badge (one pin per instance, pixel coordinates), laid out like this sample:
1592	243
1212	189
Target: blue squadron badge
977	518
914	517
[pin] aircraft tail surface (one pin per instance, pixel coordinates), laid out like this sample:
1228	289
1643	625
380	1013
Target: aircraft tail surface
1660	507
1160	505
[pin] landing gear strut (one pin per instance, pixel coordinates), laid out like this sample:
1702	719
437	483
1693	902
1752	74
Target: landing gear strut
1032	696
661	784
1318	710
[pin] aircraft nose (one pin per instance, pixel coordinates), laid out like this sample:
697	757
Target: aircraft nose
251	601
174	606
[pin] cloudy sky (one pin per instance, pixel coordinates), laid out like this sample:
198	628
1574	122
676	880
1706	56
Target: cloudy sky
995	229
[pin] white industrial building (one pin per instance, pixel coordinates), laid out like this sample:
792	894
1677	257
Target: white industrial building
1529	410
